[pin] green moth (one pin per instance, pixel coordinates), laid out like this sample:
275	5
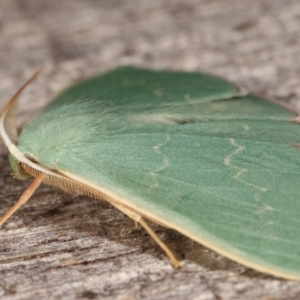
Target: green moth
185	150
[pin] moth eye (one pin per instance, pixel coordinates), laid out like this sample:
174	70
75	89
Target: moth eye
19	172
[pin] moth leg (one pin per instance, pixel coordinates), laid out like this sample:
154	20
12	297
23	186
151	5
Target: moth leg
139	219
24	198
137	225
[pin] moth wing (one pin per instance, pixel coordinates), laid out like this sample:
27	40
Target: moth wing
223	171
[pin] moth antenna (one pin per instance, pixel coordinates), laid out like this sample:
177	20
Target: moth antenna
8	135
24	198
8	115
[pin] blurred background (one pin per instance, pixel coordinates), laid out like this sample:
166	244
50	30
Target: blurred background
253	43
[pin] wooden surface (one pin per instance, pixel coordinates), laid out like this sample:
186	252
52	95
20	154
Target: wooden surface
60	246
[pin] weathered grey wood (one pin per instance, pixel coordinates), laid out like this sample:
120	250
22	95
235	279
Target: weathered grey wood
65	247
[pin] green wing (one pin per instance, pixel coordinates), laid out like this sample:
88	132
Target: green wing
186	150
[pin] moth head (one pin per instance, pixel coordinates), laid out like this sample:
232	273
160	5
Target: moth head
18	170
8	131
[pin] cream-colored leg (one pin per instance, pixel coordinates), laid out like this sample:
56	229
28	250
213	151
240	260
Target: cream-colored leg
24	198
137	225
139	219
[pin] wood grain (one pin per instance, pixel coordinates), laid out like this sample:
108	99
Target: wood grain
61	246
